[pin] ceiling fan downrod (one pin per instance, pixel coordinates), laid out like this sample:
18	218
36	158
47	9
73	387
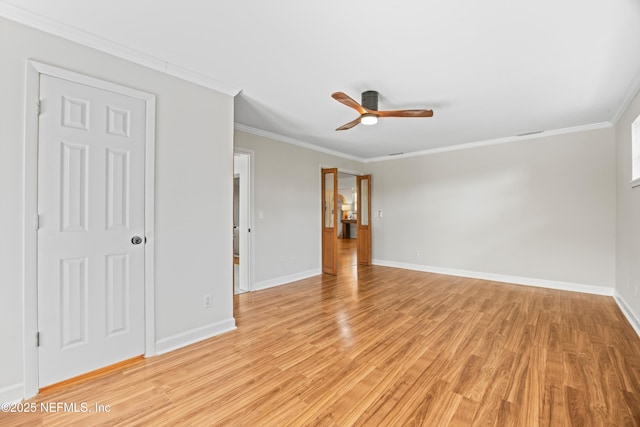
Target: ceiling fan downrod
370	100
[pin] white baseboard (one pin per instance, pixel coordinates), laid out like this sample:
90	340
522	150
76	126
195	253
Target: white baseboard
265	284
632	317
12	394
540	283
184	339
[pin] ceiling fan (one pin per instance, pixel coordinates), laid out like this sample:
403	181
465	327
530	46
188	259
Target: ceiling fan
369	112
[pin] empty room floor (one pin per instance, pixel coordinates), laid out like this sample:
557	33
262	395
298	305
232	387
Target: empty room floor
383	346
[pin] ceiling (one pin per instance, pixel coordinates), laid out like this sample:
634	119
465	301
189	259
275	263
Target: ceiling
489	70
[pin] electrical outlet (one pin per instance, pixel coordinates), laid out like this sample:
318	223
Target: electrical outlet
207	301
417	253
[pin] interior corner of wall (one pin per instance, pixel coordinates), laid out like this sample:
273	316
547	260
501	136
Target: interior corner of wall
632	317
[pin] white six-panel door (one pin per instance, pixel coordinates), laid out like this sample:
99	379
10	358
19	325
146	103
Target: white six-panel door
91	157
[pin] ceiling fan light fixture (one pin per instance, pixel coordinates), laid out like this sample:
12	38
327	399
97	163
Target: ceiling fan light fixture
369	119
369	112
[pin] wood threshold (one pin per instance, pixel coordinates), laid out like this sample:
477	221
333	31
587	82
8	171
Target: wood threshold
98	373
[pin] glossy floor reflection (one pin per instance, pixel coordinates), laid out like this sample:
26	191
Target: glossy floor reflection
381	346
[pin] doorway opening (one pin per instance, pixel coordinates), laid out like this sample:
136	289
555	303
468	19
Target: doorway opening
347	221
346	218
242	222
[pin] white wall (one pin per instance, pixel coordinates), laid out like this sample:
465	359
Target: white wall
287	192
194	152
628	218
543	208
540	209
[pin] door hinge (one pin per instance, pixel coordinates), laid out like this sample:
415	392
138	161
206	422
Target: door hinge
249	230
36	221
37	339
39	105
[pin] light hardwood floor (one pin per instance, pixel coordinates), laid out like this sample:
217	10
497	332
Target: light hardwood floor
378	346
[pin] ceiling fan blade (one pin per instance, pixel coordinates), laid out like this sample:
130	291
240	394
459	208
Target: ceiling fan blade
405	113
350	124
348	101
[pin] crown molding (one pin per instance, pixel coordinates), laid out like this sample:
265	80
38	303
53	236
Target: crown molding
296	142
575	129
84	38
632	91
292	141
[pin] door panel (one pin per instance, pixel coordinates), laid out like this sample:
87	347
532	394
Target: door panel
117	294
74	312
91	156
364	219
329	221
117	187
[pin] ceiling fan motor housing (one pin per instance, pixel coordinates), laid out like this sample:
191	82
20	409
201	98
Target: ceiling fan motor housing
370	100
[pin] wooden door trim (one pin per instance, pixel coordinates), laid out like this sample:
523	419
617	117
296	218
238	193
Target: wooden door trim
364	231
30	211
334	230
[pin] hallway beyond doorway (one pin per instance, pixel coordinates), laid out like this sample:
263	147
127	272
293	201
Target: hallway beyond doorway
348	257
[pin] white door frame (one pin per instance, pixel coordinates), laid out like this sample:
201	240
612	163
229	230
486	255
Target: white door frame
30	210
246	221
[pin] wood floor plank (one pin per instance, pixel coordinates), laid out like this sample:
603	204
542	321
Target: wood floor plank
465	413
385	347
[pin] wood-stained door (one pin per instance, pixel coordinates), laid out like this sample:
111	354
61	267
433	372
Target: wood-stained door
364	219
91	195
329	221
